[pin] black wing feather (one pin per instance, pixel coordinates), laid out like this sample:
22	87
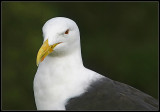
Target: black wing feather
106	94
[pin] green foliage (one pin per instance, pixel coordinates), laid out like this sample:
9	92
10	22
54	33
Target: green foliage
118	39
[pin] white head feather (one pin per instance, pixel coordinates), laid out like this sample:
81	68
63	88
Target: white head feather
54	30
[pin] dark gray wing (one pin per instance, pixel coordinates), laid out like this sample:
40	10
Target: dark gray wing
107	94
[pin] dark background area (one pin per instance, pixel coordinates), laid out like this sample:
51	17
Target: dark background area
118	40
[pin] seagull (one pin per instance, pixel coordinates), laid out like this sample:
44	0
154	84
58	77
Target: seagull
63	83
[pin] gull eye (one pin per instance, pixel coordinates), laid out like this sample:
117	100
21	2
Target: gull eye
67	31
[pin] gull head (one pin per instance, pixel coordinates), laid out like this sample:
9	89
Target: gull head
61	35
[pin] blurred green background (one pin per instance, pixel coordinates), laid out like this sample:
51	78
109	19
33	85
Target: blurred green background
118	40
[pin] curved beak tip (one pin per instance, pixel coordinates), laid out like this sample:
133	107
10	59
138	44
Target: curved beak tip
44	51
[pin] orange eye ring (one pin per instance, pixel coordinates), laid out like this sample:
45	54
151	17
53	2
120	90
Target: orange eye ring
67	31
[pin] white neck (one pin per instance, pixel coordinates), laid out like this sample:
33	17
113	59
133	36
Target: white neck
71	59
56	80
59	78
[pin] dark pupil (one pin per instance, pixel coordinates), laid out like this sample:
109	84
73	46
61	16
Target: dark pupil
67	32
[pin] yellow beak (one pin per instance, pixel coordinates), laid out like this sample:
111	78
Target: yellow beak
44	51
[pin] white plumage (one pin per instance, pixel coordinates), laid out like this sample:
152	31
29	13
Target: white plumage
63	83
61	75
